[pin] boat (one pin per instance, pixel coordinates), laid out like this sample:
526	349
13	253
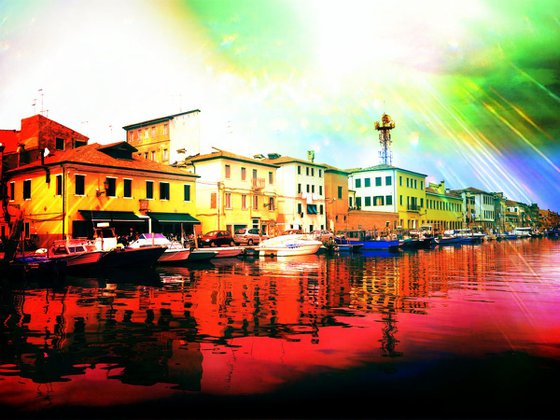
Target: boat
468	236
227	251
370	241
119	256
449	238
200	255
174	253
416	243
344	245
523	232
289	245
78	254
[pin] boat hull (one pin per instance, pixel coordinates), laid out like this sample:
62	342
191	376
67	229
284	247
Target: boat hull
132	257
174	256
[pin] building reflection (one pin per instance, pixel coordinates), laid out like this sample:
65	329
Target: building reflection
232	327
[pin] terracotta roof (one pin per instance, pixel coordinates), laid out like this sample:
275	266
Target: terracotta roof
157	120
287	159
222	154
95	155
380	167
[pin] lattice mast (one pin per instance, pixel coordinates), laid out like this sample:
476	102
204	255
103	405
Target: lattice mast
384	127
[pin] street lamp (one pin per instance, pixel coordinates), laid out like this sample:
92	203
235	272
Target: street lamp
99	193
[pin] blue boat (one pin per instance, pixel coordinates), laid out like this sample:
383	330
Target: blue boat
369	240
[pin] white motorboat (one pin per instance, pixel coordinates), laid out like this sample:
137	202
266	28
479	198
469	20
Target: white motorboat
289	245
174	252
77	253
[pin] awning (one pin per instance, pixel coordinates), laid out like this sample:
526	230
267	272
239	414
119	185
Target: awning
173	218
110	216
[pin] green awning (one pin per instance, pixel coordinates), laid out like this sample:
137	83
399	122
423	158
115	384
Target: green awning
110	216
173	218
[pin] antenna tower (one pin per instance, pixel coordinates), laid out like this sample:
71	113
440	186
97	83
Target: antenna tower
384	127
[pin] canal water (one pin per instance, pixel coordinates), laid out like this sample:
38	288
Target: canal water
453	332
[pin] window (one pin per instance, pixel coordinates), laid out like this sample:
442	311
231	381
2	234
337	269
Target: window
313	188
320	190
244	201
339	192
271	203
254	174
112	184
228	200
400	181
228	171
358	182
299	170
400	200
255	202
186	192
27	189
307	170
358	202
153	155
389	200
164	155
349	201
213	200
367	182
307	187
299	188
321	209
127	188
388	180
270	178
164	190
80	181
312	209
320	173
243	174
165	129
378	200
59	144
299	208
12	190
377	181
367	201
59	185
312	171
150	190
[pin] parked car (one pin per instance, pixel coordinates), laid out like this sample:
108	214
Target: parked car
216	238
245	236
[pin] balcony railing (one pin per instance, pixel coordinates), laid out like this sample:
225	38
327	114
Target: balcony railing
258	183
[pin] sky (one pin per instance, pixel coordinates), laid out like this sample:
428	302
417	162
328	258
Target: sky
473	86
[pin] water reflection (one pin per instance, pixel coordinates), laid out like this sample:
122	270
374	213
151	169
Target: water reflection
261	326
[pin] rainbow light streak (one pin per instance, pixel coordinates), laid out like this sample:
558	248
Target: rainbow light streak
471	85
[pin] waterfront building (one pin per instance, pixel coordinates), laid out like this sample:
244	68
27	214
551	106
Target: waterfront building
37	137
444	209
336	198
483	212
301	192
397	195
66	193
166	139
234	191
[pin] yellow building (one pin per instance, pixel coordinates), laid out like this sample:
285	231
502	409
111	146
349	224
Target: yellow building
166	139
234	191
444	209
70	191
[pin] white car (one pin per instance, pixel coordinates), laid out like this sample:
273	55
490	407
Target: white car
245	236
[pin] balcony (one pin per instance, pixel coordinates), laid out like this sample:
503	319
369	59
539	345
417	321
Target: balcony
258	184
413	207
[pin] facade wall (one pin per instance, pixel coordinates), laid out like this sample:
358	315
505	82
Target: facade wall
229	203
443	212
50	213
336	200
410	198
301	196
